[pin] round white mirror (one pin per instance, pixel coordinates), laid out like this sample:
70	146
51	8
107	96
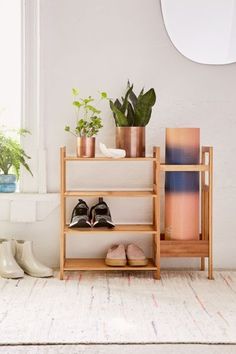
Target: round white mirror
202	30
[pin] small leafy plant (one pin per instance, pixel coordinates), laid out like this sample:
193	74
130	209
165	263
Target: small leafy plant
88	120
12	156
132	110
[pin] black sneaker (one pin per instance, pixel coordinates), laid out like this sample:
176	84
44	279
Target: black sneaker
80	215
100	215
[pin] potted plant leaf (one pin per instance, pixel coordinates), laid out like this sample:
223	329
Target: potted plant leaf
88	123
132	113
12	157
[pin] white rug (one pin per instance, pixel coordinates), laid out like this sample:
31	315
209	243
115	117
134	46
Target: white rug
184	307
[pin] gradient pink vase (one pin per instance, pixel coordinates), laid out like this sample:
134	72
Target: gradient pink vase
182	188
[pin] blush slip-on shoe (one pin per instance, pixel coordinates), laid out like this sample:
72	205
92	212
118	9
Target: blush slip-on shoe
8	265
28	262
116	256
136	256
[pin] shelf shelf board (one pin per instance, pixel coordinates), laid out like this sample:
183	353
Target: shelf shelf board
99	264
183	168
130	228
163	167
110	194
106	159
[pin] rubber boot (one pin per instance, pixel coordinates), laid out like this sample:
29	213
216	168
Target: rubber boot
8	266
26	259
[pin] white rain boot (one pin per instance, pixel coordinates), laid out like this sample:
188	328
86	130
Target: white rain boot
8	266
26	259
13	245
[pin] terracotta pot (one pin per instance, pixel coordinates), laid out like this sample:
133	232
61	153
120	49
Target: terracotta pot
85	147
132	140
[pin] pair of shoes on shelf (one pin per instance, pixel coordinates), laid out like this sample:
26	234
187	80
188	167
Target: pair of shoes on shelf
99	215
17	258
118	256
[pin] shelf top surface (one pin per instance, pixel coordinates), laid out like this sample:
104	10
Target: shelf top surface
101	158
125	228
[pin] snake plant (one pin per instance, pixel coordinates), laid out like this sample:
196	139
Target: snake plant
133	110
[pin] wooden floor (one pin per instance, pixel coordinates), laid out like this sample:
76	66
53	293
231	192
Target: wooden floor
117	308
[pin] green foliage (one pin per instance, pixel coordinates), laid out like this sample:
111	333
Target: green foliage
12	156
133	110
88	120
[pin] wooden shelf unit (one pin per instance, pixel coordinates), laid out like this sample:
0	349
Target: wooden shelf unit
99	264
201	248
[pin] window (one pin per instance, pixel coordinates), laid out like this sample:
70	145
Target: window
20	101
11	63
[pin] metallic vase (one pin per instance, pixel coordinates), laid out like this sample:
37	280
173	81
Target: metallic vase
132	140
182	188
85	146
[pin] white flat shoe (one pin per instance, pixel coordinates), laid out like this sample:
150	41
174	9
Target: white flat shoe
115	153
26	259
8	266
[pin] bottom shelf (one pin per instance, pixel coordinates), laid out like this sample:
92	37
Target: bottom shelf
99	264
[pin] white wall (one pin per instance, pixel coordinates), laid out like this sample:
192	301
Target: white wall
98	45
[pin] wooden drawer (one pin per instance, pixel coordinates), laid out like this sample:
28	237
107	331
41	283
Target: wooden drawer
184	248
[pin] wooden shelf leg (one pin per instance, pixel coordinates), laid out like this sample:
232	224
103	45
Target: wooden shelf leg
157	274
61	274
210	259
156	212
210	269
202	263
203	220
63	214
156	256
62	255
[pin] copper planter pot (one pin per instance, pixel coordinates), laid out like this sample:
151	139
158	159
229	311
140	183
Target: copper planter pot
85	147
132	140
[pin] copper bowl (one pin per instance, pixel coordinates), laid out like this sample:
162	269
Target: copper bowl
85	146
132	140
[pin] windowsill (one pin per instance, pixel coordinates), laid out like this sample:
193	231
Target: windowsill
37	197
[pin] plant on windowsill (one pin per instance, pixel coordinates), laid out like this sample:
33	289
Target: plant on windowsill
132	113
88	123
12	157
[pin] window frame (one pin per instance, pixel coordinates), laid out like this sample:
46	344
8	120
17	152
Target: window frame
32	100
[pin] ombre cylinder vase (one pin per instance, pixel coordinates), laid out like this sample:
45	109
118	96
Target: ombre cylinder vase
182	188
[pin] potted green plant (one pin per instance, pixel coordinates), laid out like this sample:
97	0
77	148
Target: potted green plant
88	123
12	157
132	113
